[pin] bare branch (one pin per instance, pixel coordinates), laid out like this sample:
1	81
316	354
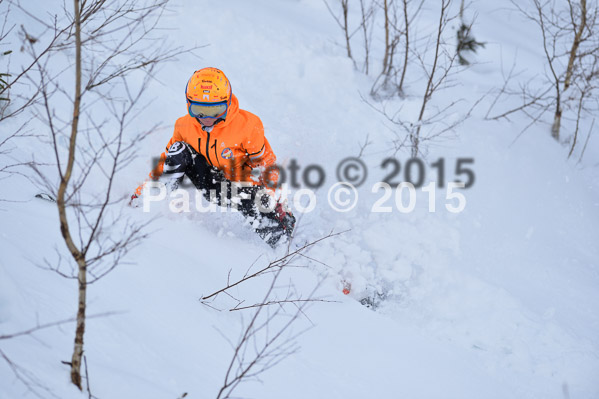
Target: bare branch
275	265
279	302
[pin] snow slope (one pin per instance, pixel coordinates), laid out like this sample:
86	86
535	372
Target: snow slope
499	301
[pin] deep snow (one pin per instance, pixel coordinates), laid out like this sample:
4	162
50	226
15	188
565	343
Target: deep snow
499	301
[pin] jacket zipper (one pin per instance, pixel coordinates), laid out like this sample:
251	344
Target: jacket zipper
215	154
208	149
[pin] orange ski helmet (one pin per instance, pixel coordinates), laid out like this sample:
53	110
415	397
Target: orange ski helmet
208	94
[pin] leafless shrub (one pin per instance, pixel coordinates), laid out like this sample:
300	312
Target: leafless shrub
391	40
408	18
436	61
398	19
262	345
268	337
438	72
567	31
343	23
368	14
430	58
112	58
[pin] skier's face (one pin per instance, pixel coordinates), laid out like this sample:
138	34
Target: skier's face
207	122
207	114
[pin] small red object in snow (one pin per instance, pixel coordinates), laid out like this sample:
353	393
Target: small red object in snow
346	287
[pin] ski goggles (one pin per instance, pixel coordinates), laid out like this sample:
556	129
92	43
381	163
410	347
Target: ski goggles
207	110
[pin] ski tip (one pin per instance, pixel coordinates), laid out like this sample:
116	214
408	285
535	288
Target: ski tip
346	287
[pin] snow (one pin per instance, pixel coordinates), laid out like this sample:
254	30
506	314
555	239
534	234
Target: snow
498	301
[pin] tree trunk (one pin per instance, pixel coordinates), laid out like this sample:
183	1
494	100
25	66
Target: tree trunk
557	122
576	44
345	7
557	119
79	332
386	57
407	48
77	255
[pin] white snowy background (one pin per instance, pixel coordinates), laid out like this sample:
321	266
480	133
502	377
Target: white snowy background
498	301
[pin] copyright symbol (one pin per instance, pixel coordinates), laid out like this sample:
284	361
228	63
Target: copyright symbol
352	170
349	194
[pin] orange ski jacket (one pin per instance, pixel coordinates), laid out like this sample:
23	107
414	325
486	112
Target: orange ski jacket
236	146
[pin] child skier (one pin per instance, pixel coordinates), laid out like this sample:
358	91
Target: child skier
218	143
